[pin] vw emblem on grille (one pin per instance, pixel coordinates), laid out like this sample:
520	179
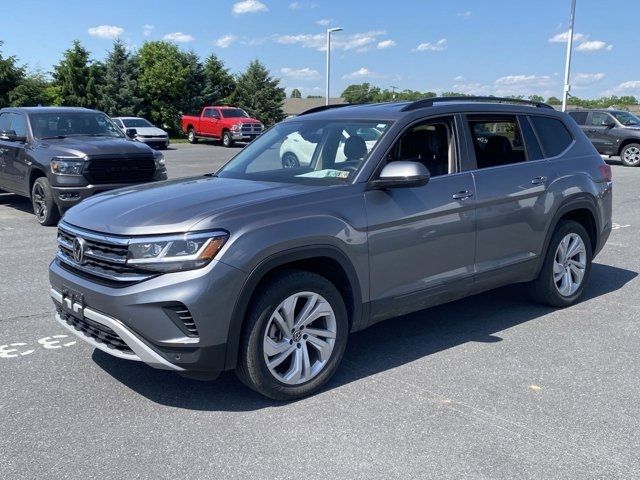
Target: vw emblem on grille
79	245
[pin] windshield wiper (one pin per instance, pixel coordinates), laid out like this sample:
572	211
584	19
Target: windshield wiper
53	137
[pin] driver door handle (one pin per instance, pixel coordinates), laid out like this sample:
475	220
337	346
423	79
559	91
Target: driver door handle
463	195
4	150
539	181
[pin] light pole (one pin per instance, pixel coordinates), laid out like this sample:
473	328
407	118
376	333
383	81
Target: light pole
567	66
329	32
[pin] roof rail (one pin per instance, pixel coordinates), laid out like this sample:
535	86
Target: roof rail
428	102
324	107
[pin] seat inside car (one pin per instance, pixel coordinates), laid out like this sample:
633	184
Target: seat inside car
355	148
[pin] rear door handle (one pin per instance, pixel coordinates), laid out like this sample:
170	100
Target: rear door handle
539	181
4	150
462	195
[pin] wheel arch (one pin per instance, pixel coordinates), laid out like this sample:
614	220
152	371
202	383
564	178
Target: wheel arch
34	174
325	260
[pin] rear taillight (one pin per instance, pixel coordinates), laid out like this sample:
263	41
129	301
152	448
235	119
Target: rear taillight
605	171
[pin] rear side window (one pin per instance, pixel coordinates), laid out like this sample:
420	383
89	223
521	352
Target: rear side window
496	141
5	120
579	117
534	152
19	125
553	135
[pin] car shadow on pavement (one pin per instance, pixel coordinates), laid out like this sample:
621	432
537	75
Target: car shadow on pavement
16	201
382	347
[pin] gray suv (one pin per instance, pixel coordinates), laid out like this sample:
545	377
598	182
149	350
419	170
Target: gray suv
265	267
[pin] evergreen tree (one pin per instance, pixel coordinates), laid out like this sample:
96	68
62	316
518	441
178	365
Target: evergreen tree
78	81
260	94
194	83
119	96
295	93
33	90
218	82
11	74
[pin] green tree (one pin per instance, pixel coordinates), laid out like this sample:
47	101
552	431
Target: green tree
536	98
363	93
260	94
119	95
162	79
77	79
11	74
315	96
33	90
554	101
194	83
218	82
295	93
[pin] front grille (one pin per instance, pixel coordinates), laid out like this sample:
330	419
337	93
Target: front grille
120	170
104	257
183	318
100	333
251	128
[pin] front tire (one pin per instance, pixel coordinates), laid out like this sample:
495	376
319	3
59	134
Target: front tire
294	338
44	208
630	155
566	267
191	136
290	160
227	140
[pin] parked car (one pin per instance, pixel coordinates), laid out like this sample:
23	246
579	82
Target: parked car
142	130
58	156
266	270
296	151
612	132
228	124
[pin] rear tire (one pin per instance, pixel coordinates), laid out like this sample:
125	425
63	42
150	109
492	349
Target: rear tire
44	208
630	155
290	160
227	140
566	269
191	136
298	363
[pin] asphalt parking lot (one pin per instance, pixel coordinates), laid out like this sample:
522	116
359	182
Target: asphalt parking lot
488	387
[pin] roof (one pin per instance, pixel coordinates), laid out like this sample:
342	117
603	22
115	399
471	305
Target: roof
50	109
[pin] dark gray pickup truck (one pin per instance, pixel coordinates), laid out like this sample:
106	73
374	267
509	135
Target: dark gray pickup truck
57	156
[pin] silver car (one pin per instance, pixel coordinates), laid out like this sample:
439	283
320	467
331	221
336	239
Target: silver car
144	132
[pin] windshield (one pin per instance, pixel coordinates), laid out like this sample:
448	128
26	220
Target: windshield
626	118
136	122
316	152
233	113
68	124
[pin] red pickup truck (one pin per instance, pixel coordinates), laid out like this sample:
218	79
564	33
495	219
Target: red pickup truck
229	124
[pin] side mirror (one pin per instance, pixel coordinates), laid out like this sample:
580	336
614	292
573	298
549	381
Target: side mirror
10	136
402	174
131	133
610	124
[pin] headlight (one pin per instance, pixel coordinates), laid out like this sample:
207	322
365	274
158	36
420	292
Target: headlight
236	128
159	157
175	253
67	166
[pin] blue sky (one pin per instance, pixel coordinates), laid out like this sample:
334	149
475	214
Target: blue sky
499	47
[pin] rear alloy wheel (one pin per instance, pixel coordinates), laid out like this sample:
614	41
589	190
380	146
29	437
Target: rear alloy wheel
191	136
290	160
295	336
566	266
44	208
227	140
630	155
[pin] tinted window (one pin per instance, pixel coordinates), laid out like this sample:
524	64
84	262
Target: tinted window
234	113
553	135
5	121
207	113
136	122
600	119
19	125
66	124
579	117
534	152
497	142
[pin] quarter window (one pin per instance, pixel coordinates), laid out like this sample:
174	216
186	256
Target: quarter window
534	152
497	141
553	135
19	125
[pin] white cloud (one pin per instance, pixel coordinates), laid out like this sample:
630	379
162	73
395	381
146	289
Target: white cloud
581	79
594	46
225	41
300	73
147	29
106	31
523	80
386	44
511	85
625	88
465	15
295	5
564	37
360	73
324	22
432	47
459	78
356	41
249	6
178	37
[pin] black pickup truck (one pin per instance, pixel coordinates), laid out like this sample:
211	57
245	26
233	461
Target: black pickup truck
57	156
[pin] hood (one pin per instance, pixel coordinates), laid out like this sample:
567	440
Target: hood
155	131
172	207
235	120
92	146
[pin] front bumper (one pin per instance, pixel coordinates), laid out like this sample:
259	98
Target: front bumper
155	142
244	137
137	314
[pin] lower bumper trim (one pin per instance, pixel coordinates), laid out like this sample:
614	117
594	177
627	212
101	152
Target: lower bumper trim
141	351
